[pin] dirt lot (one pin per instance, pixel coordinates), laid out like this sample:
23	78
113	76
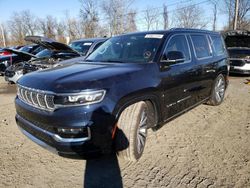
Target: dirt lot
206	147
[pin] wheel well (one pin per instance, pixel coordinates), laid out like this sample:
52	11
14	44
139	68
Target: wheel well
155	110
149	102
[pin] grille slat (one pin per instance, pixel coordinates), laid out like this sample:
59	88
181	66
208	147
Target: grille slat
36	98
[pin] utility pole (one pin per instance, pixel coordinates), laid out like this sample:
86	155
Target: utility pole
236	14
3	36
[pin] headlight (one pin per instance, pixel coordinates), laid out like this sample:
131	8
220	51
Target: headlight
19	72
83	98
6	63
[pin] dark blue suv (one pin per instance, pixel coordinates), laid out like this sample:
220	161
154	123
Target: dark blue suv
131	83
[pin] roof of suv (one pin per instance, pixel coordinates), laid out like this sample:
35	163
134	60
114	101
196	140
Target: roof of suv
90	39
181	30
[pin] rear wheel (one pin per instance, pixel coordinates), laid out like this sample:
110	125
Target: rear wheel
218	91
132	131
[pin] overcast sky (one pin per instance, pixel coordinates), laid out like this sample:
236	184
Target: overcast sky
57	8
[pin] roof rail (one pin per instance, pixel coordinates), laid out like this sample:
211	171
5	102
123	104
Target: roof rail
190	29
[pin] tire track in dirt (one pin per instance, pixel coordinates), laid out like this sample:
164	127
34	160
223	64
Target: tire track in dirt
206	147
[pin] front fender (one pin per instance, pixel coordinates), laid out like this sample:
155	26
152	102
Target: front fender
150	95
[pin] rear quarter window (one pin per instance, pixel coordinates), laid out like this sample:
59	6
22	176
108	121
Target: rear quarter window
218	45
201	46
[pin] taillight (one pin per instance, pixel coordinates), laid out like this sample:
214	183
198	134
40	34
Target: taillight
5	53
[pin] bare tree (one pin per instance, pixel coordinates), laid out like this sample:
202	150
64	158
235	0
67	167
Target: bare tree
74	27
22	24
4	37
215	12
131	22
16	29
116	12
244	17
228	7
88	13
150	17
60	32
165	17
29	22
190	17
47	26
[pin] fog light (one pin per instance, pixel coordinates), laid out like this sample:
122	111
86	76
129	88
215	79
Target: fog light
71	130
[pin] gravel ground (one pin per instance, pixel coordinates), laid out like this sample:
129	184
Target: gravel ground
206	147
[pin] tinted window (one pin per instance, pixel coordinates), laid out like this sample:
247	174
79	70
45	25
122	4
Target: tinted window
218	45
44	53
178	43
128	48
26	49
81	46
97	45
37	50
200	46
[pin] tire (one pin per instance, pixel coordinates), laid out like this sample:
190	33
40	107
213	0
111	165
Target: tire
132	131
218	91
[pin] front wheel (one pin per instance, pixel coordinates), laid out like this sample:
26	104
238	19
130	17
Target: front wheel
132	131
218	91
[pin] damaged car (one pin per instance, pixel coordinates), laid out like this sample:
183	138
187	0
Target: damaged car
238	46
52	56
14	56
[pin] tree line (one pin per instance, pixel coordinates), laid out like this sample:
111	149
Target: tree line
113	17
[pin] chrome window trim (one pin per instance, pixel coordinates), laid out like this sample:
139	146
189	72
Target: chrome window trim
190	54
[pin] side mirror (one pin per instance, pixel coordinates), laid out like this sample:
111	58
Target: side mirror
173	57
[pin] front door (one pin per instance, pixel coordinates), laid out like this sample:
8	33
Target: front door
178	78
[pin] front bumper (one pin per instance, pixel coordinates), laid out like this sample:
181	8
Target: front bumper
13	78
41	126
240	69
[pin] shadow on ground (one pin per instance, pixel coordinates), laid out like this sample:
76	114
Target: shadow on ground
103	172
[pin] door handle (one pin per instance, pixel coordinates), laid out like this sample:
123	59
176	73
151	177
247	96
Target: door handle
210	70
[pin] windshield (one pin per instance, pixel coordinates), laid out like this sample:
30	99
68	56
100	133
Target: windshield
26	48
136	48
239	53
44	53
81	46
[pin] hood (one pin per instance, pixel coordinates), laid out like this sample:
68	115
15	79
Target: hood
79	76
50	44
238	38
21	54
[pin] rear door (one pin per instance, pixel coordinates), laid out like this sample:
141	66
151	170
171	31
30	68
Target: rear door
178	78
205	63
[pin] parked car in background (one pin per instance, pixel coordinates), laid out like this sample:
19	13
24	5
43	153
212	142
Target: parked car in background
4	52
129	84
53	55
238	46
16	56
86	46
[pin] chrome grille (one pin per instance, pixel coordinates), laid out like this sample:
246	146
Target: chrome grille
37	98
